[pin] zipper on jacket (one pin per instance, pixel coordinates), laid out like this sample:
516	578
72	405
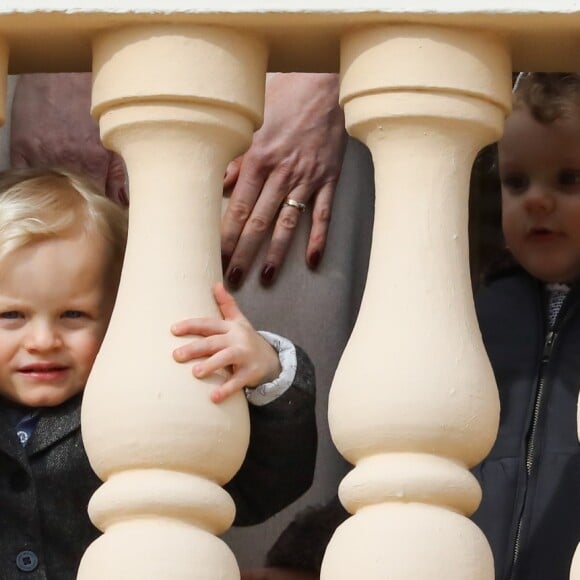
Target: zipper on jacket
548	345
530	446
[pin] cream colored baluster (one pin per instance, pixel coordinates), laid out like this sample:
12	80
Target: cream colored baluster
414	404
178	103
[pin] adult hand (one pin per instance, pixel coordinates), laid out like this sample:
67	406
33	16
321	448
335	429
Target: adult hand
278	574
51	126
298	154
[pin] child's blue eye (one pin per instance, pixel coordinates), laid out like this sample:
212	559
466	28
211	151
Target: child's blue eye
73	314
11	315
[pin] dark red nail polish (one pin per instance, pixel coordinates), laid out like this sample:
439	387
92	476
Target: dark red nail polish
267	275
314	260
235	277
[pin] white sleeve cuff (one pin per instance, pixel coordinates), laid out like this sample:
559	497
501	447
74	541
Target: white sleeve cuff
268	392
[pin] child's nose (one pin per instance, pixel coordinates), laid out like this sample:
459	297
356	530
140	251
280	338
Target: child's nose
42	337
539	199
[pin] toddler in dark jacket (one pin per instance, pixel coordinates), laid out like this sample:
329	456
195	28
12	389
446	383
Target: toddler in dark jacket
529	314
61	251
530	320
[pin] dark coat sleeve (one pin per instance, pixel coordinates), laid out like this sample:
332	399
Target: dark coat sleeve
279	464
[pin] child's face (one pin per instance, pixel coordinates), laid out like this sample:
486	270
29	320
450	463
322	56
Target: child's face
539	166
54	310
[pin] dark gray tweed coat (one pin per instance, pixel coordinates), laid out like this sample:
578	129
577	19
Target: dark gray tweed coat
45	486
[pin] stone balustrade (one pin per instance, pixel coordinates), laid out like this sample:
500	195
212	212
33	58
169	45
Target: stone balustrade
178	91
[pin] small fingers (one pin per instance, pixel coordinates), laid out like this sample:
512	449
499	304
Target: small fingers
226	389
199	348
226	303
238	379
199	327
220	359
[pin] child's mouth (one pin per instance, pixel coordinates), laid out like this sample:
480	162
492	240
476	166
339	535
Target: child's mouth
43	372
543	234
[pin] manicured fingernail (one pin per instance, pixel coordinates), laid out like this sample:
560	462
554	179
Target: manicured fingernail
235	277
314	260
267	275
225	261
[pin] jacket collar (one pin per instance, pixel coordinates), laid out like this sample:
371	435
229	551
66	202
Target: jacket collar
9	443
54	424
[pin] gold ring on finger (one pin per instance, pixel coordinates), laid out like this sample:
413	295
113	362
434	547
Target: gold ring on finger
288	202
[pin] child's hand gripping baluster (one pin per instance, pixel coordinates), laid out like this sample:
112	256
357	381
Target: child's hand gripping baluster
231	344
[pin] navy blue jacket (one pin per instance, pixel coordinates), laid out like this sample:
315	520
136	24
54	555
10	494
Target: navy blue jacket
530	511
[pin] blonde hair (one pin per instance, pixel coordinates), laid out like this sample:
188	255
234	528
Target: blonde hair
548	96
42	204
